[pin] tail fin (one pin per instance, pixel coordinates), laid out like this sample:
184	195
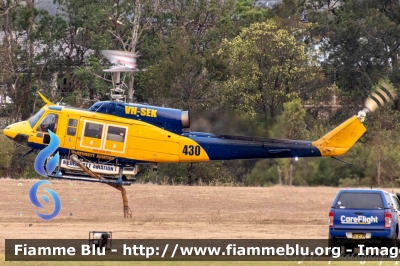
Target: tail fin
341	139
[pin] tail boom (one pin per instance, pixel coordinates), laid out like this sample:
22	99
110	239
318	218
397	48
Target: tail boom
225	147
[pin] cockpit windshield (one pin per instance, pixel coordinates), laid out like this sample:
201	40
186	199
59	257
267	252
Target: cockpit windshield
34	119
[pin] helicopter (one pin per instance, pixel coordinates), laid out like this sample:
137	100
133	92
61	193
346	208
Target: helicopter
112	138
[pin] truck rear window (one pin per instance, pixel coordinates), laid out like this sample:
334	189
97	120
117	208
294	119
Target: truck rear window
355	200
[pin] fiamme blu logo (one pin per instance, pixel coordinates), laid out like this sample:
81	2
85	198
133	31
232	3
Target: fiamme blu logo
39	168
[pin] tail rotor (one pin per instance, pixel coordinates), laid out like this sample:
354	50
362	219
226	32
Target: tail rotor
384	93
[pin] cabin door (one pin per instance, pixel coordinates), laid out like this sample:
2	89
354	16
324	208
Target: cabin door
71	133
105	137
115	138
91	134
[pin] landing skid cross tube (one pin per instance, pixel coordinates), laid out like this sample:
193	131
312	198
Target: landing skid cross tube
127	210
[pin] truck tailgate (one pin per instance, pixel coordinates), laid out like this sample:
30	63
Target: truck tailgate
359	219
359	211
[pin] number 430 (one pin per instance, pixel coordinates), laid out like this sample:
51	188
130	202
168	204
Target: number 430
191	150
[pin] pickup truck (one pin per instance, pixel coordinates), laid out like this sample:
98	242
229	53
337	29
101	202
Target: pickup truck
368	216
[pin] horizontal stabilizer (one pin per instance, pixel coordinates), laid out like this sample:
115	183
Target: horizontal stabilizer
341	139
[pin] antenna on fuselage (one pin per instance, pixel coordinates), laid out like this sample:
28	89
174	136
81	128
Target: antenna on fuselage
60	102
122	62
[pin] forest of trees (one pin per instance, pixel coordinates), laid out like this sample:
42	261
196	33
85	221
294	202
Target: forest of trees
295	70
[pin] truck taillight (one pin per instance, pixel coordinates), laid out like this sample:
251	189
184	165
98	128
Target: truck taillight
331	214
388	219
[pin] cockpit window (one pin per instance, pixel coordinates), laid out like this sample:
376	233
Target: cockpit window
34	119
103	107
49	123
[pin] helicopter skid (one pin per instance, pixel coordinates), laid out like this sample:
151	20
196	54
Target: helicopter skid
89	179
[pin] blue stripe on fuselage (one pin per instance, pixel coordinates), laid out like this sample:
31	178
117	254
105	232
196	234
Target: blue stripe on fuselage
224	147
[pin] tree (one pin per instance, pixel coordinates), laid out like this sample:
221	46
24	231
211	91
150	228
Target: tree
84	33
383	135
18	22
291	125
268	67
179	79
360	41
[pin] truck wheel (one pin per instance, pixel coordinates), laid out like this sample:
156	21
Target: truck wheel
390	242
332	243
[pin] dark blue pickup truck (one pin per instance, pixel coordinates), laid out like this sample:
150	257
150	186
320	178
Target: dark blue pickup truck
369	216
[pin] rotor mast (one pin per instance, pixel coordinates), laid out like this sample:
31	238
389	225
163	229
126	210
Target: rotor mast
122	61
118	94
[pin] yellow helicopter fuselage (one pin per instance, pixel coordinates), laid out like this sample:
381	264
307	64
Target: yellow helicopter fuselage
123	134
102	136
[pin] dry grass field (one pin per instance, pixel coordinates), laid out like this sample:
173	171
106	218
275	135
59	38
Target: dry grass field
278	212
167	211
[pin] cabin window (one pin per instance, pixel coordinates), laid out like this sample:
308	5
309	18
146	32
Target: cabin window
34	119
72	124
93	130
116	133
360	200
48	123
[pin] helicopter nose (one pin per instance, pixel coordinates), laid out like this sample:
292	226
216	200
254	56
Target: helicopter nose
17	132
8	132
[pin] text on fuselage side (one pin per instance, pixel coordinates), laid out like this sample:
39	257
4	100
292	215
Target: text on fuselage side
89	165
133	110
98	156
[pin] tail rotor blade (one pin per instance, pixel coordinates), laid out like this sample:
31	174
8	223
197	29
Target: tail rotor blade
384	93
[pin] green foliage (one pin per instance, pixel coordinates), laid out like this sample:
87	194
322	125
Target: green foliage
267	67
210	173
7	150
262	174
179	78
291	123
383	156
249	14
21	167
358	40
287	8
324	174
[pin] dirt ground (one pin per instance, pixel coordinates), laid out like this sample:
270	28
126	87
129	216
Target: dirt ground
278	212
